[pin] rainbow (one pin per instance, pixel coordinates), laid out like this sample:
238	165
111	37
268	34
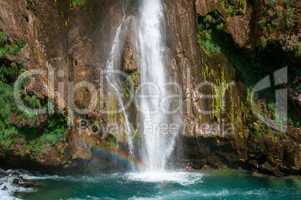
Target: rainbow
122	158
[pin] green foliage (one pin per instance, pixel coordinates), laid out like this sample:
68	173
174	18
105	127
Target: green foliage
111	141
207	42
34	134
257	130
9	73
295	122
207	72
298	49
9	132
250	67
207	25
219	94
289	17
77	3
130	83
276	18
53	133
7	106
9	48
55	129
234	8
134	78
221	86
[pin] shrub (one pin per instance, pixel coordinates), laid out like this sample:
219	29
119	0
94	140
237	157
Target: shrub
8	47
35	133
77	3
207	26
298	49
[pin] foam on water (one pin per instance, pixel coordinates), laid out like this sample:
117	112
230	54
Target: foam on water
180	177
183	178
153	186
8	188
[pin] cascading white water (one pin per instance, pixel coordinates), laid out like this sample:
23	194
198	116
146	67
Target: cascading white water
158	144
154	105
112	77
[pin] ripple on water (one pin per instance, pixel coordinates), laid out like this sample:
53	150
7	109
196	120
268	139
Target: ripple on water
202	194
168	185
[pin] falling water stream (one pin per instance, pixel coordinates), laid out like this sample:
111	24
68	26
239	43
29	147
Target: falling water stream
153	105
158	143
113	73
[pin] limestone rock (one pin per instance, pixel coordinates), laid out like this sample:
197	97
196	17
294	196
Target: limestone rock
203	7
240	29
129	56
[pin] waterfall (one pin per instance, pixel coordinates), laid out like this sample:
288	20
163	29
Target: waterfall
158	143
154	105
112	77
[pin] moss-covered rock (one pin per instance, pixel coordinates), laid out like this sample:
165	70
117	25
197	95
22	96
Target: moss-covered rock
256	23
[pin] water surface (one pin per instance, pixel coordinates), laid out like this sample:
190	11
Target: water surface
170	186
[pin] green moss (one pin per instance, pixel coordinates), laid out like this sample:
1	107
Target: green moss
251	68
77	3
23	129
8	47
131	82
298	49
276	18
12	131
111	140
234	8
207	42
9	73
208	24
53	133
289	17
220	83
213	40
207	72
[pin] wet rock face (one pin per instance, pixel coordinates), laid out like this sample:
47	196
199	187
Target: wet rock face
268	155
252	26
295	96
70	40
74	43
185	61
239	26
239	29
130	54
258	22
129	60
18	22
212	152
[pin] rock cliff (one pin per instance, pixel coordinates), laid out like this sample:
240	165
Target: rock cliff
73	41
